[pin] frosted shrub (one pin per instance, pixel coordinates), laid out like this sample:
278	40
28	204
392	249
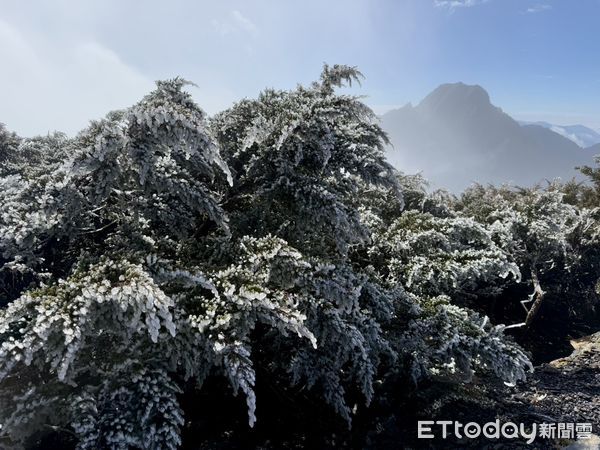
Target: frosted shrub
156	249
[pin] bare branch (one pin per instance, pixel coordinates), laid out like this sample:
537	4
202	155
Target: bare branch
537	296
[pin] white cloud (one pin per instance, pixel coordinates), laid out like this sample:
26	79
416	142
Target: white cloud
244	23
452	4
45	90
571	136
235	23
222	28
590	121
538	8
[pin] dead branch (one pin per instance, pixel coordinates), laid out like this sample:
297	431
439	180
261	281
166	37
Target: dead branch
537	296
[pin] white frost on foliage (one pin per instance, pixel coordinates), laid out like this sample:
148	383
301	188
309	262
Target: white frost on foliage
156	248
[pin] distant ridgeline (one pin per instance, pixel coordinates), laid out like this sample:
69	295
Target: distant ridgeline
456	136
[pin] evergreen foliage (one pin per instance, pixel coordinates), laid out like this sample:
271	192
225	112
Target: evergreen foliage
159	248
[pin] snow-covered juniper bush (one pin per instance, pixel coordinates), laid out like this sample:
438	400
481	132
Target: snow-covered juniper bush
160	247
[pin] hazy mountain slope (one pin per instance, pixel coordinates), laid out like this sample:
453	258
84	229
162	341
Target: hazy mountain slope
593	150
581	135
455	136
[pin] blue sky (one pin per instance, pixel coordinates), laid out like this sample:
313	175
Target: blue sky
66	62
